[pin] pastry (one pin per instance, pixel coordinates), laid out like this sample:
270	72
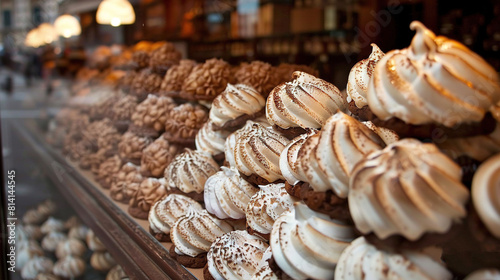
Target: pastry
235	105
102	261
46	276
121	112
259	75
108	169
126	183
151	115
131	146
207	80
72	222
72	246
267	205
305	102
25	251
127	81
35	266
157	156
94	243
263	270
189	171
165	212
50	241
227	194
234	255
33	217
482	274
192	235
164	57
30	231
175	76
78	232
145	82
211	141
150	191
69	267
117	273
183	123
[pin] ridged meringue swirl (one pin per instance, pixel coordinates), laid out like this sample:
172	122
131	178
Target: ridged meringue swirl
257	150
486	194
434	80
307	244
235	101
227	194
305	102
361	260
33	267
409	188
194	233
165	212
268	205
102	261
72	246
189	171
290	161
483	274
209	140
69	267
343	142
360	75
235	255
264	271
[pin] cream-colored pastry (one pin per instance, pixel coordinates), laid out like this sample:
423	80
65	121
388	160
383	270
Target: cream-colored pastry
257	150
93	242
434	80
71	222
30	232
359	77
117	273
264	271
209	140
409	188
72	246
305	102
189	171
194	232
34	217
102	261
52	224
78	232
35	266
235	255
46	276
69	267
484	274
486	194
307	244
47	207
165	212
361	260
227	194
27	250
235	101
50	241
266	206
291	164
229	147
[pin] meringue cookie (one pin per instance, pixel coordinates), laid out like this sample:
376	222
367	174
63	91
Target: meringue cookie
268	205
102	261
227	194
50	241
263	270
409	188
235	101
193	233
117	273
235	255
30	232
35	266
361	259
52	224
78	232
93	242
69	267
72	246
32	216
360	75
290	162
434	80
483	274
305	102
307	244
209	140
486	194
27	250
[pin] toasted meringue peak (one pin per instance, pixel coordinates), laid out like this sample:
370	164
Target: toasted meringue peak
165	212
486	194
483	274
434	80
69	267
361	259
33	267
266	206
52	224
409	188
307	244
227	194
209	140
194	232
264	271
360	75
235	255
305	102
72	246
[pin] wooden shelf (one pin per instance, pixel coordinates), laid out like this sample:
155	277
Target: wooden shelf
127	239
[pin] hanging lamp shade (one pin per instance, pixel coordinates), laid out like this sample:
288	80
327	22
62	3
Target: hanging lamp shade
33	38
115	12
67	26
47	33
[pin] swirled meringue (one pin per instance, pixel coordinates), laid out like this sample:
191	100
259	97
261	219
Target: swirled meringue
434	80
264	271
486	194
69	267
209	140
360	75
102	261
305	102
227	194
307	244
72	246
409	188
290	161
35	266
361	259
483	274
235	255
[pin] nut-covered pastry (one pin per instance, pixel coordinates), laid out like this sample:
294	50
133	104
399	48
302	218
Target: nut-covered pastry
235	255
52	224
207	80
482	274
165	212
175	76
94	243
211	141
122	110
151	115
227	194
108	170
183	123
141	59
157	156
35	266
102	261
307	244
408	189
259	75
127	81
267	205
192	235
189	171
96	159
72	246
126	183
131	146
235	105
165	56
361	258
146	82
50	241
150	191
305	102
117	273
69	267
100	109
